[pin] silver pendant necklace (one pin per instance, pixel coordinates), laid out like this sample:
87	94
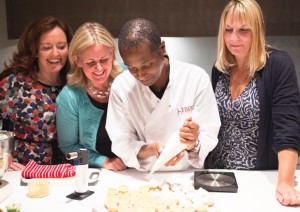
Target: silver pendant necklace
99	94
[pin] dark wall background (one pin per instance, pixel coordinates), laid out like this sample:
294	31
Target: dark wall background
174	18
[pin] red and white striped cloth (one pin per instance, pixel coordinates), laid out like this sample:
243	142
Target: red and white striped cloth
34	170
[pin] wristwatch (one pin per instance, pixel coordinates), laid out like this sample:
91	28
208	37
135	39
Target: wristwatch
196	148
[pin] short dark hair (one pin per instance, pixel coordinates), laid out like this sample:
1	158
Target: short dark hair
138	31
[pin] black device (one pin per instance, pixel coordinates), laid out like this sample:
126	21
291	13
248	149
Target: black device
215	181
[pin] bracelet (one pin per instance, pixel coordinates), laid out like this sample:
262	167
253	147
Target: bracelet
196	148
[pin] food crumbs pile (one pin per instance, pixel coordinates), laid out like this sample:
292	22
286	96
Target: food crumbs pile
166	197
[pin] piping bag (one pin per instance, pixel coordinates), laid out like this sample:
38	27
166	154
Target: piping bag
173	146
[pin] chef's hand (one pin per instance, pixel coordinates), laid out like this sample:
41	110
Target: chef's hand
115	164
176	159
189	133
150	150
287	194
14	166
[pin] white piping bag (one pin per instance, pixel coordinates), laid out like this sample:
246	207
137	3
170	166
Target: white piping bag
172	147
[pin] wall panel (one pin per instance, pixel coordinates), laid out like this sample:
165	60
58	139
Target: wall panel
174	18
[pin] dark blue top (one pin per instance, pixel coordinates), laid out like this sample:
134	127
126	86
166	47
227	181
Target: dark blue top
279	98
238	135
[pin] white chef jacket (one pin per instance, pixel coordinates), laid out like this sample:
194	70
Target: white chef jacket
137	117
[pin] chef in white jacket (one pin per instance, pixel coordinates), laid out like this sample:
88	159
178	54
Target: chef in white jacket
155	99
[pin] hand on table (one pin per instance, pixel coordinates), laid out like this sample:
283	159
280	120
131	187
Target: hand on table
115	164
189	133
14	166
287	195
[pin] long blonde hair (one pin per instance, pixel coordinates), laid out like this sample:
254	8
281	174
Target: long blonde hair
86	35
249	12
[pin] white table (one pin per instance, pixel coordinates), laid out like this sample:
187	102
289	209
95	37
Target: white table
256	191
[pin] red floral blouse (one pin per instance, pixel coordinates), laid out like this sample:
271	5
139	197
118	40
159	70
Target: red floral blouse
30	107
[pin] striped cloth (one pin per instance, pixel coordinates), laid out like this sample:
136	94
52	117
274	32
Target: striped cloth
34	170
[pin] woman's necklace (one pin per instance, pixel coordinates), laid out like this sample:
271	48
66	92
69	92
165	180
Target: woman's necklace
238	84
99	94
240	81
48	80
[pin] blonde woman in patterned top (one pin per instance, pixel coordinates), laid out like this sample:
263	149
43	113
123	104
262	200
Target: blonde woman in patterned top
258	99
29	85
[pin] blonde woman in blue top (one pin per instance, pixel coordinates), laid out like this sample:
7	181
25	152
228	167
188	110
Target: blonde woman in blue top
82	104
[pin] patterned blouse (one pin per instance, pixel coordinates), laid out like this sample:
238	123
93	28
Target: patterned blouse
31	108
238	135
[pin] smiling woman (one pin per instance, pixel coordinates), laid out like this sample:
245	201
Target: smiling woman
82	104
29	86
52	54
